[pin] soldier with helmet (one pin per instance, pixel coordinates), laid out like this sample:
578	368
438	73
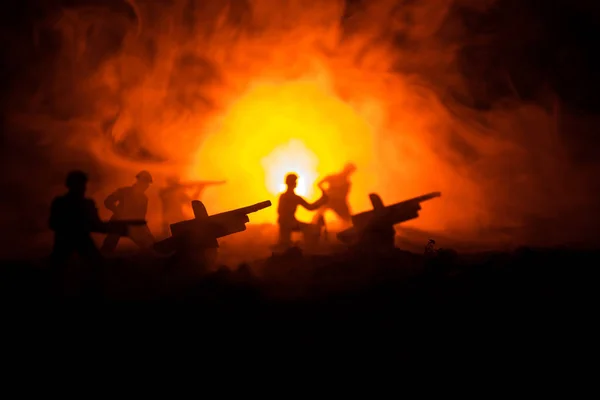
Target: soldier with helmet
130	203
288	204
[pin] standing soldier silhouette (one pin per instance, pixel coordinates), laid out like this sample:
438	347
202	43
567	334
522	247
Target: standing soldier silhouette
73	218
288	204
126	203
337	190
174	196
430	248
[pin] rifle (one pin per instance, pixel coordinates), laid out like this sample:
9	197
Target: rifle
202	184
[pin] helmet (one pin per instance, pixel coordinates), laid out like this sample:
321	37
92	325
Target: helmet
144	176
291	178
76	179
350	167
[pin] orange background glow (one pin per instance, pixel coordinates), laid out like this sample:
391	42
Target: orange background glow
247	92
273	130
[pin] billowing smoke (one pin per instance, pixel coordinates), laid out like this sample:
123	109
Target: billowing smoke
116	86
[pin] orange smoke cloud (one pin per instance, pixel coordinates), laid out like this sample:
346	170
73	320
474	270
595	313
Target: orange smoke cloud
249	90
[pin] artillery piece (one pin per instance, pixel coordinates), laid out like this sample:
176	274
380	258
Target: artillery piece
195	236
375	228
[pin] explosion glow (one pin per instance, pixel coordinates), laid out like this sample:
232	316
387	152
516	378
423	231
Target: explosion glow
276	129
291	158
247	91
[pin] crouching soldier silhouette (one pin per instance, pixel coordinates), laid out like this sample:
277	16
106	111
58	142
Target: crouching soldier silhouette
288	204
73	218
130	203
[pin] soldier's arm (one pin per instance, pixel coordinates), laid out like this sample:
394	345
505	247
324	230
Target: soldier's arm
323	181
113	199
314	206
145	206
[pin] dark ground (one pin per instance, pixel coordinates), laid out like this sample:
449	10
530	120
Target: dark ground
533	305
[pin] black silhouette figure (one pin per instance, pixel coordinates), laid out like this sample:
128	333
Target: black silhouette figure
337	187
288	204
430	248
130	203
175	196
73	217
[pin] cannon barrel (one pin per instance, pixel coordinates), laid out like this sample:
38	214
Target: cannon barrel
392	214
204	230
383	217
246	210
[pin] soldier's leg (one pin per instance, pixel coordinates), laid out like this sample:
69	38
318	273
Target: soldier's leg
320	214
342	209
311	233
61	254
285	235
141	236
110	243
94	261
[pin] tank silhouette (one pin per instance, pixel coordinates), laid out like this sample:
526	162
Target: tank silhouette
376	227
202	232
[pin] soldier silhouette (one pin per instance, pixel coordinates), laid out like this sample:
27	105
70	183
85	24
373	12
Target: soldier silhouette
337	187
430	248
73	217
175	196
130	203
288	204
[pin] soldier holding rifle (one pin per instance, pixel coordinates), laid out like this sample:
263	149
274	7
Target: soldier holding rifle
126	203
73	218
